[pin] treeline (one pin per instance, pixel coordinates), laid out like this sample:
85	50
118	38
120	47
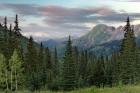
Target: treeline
36	68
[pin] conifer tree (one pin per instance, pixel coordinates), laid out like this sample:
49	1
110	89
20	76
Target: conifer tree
31	67
137	65
109	71
17	37
90	70
56	70
49	68
116	64
44	68
5	28
16	28
5	48
99	72
41	54
83	66
128	55
77	65
40	67
55	63
11	41
2	42
5	51
69	71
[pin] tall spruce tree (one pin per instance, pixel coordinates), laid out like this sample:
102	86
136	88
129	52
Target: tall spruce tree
5	28
69	68
49	68
56	70
83	66
16	28
41	54
114	66
128	55
137	64
31	67
109	71
99	75
40	66
90	70
2	42
5	48
77	65
16	38
11	41
55	63
5	51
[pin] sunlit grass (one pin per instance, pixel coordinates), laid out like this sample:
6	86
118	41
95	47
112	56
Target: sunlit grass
119	89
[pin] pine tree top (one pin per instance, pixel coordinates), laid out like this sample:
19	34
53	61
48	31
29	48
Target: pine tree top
16	28
41	45
5	23
31	38
16	20
10	27
128	26
128	19
0	25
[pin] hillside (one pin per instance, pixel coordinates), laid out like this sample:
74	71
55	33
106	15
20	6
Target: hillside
23	42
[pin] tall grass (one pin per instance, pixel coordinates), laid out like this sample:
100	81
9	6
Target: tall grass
119	89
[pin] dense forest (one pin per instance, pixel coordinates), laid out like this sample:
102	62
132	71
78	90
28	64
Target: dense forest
37	67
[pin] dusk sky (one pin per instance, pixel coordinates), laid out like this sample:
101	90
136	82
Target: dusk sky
44	19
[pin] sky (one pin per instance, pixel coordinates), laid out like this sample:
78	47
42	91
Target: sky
52	19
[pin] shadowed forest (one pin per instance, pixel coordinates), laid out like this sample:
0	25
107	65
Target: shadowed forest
27	65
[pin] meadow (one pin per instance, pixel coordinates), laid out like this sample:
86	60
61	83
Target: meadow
119	89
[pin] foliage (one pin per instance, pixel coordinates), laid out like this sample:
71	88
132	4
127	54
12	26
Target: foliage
37	68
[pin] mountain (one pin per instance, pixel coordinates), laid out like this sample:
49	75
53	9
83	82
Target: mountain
98	35
104	39
101	39
52	43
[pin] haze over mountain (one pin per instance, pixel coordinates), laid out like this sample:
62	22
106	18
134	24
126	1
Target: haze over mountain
101	38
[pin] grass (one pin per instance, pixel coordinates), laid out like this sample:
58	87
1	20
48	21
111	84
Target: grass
122	89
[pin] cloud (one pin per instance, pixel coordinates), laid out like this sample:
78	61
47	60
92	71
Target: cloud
10	20
134	1
36	10
98	17
63	16
24	9
63	11
63	21
41	33
126	0
69	18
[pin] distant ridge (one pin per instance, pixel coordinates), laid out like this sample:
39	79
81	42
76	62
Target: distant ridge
101	38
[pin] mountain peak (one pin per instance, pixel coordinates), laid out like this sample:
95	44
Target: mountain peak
99	26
